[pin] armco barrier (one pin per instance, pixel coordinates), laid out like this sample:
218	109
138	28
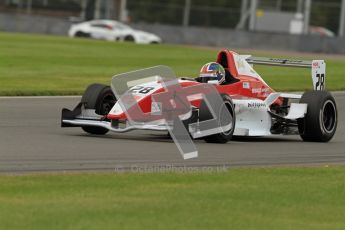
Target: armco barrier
244	39
188	35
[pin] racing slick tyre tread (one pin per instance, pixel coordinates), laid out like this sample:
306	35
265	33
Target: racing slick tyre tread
100	98
220	137
320	122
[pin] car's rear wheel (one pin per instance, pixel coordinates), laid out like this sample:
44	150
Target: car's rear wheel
226	135
320	122
101	99
129	38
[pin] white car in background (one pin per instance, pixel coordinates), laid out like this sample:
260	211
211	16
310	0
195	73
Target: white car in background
112	31
321	31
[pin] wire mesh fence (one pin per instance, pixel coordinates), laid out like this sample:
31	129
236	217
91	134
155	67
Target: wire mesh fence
326	14
219	14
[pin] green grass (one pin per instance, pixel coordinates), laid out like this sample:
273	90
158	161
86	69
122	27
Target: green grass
266	198
48	65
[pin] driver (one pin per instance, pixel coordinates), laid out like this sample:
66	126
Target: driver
212	71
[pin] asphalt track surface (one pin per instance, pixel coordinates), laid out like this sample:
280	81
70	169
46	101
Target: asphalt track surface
31	140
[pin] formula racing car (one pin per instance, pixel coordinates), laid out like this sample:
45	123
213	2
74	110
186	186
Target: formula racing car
253	107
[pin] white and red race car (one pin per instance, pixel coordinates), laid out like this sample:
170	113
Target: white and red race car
253	108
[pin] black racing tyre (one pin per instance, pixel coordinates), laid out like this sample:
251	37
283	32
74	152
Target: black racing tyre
320	122
81	34
129	38
223	137
100	98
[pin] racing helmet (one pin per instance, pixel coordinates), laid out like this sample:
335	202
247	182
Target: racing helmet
212	71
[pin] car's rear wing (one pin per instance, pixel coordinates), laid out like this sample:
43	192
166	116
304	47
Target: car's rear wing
318	67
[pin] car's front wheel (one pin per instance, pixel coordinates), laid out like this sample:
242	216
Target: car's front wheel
100	98
81	34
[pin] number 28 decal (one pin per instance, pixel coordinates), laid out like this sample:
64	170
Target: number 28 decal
320	84
141	89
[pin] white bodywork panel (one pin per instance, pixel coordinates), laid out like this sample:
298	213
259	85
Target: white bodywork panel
291	95
271	98
296	111
274	96
244	68
252	118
